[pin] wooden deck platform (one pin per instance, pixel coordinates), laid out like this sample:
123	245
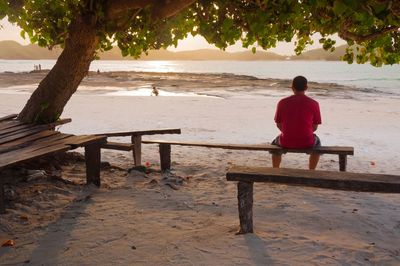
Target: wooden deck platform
21	142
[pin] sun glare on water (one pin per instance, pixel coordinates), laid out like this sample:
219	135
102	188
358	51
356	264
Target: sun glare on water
160	66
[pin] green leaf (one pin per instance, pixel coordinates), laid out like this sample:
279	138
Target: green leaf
339	7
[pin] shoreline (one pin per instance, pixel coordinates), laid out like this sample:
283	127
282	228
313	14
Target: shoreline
200	83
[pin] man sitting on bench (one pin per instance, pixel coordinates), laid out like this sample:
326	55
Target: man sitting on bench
297	117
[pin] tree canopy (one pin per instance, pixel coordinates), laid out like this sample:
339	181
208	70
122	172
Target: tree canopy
85	27
370	27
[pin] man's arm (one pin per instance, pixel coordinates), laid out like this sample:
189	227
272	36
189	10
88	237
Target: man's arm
279	125
315	126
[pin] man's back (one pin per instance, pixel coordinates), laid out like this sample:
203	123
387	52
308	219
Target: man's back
297	114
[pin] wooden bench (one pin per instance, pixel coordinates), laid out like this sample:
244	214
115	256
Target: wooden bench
165	150
21	142
136	141
246	176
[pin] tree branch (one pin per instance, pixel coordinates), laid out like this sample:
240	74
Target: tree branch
117	6
162	9
346	35
16	4
169	8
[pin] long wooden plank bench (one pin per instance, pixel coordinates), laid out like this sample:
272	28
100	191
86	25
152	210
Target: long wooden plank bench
20	142
136	141
246	176
165	150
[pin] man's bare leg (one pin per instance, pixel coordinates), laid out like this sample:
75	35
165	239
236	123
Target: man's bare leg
276	160
314	159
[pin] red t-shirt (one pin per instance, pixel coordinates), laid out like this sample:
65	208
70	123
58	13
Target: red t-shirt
297	114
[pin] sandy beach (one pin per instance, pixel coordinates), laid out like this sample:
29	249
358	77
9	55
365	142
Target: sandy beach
189	216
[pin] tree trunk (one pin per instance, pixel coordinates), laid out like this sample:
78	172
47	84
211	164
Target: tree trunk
47	102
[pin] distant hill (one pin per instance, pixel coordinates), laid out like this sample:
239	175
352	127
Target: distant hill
12	50
209	54
321	54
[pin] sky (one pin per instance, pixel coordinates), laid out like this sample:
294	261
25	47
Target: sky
11	32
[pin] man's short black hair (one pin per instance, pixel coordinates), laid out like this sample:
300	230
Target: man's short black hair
299	83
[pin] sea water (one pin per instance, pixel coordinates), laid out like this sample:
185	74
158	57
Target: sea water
385	78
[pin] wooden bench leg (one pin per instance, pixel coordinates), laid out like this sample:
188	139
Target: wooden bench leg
342	162
92	157
165	157
2	198
137	150
245	206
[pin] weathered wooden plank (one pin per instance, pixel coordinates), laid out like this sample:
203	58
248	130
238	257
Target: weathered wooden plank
22	130
322	179
56	123
137	149
19	135
10	159
342	162
57	141
15	128
75	141
245	207
31	149
61	140
165	157
16	125
82	140
143	132
117	146
257	147
60	122
8	117
29	127
2	198
93	160
10	124
20	143
54	138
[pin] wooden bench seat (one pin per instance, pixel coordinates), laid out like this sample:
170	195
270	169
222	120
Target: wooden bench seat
21	142
8	117
136	141
246	176
165	150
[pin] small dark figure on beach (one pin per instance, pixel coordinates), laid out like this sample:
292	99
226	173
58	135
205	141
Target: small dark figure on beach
154	91
297	117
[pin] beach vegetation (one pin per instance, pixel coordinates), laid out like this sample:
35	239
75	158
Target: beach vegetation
83	28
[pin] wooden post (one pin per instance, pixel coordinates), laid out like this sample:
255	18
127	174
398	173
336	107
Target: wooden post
342	162
245	206
92	157
2	198
137	149
165	157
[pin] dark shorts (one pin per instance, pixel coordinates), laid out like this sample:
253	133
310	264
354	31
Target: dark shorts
317	143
